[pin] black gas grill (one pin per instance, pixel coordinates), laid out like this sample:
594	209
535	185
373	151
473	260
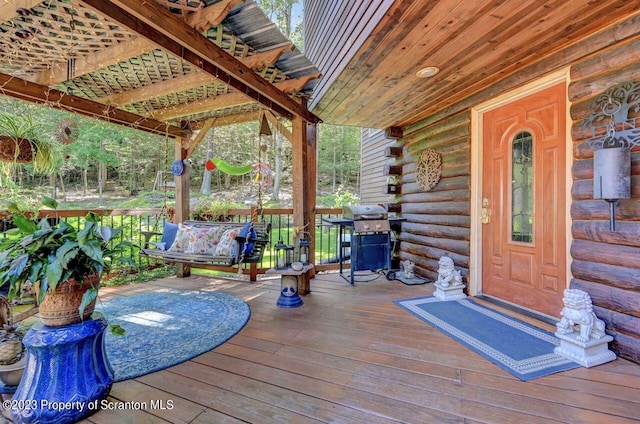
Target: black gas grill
369	239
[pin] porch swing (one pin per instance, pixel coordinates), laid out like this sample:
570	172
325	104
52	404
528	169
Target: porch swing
215	245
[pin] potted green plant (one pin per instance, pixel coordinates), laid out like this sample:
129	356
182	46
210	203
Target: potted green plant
21	142
64	264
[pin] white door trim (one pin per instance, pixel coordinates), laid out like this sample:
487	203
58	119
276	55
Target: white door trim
477	112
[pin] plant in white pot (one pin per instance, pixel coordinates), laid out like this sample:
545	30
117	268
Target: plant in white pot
64	263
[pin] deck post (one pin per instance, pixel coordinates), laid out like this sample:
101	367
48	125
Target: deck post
182	195
304	185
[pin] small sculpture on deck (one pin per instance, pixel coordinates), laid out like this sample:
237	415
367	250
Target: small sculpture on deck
408	267
578	310
449	284
448	275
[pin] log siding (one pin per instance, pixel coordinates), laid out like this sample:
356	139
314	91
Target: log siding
606	264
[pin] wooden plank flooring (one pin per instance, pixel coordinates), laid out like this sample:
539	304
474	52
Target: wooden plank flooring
350	355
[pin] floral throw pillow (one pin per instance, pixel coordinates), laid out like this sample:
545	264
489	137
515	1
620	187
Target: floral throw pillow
203	241
181	241
227	244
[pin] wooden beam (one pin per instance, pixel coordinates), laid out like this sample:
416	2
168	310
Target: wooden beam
261	60
173	35
279	126
229	120
295	85
304	186
37	93
153	91
199	136
189	81
182	195
98	60
217	102
214	14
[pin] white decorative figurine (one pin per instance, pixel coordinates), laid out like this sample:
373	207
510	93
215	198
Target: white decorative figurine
408	267
578	310
449	284
448	275
587	344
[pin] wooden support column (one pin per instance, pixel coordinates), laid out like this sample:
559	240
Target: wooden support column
182	196
304	187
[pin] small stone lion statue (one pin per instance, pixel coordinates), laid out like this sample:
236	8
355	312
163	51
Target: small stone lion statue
408	267
578	310
448	275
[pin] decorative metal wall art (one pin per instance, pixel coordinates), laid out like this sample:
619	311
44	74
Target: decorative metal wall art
611	121
615	130
429	169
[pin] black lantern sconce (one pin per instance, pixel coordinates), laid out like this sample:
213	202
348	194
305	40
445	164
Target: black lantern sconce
612	152
284	253
304	251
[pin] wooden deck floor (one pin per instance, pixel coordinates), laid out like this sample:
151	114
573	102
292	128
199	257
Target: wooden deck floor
350	355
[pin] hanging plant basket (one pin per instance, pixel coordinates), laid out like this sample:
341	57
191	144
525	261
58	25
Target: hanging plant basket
17	150
60	307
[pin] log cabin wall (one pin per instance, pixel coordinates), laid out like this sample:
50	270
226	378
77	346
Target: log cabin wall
373	182
605	264
438	220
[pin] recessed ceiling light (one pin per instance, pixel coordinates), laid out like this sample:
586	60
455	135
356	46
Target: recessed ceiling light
427	72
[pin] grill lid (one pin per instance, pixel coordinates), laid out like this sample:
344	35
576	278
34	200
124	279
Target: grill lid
364	212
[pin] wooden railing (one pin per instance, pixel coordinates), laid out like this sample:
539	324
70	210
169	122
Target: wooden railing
142	226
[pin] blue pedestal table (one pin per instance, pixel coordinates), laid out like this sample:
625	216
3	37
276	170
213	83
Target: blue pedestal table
289	283
67	373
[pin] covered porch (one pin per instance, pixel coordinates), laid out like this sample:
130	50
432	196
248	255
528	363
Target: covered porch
348	355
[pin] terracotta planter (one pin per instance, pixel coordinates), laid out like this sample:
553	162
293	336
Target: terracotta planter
9	145
60	307
10	351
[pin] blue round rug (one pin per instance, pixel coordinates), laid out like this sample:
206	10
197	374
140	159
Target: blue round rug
169	327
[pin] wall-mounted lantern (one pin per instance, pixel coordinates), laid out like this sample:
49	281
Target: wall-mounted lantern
614	134
612	177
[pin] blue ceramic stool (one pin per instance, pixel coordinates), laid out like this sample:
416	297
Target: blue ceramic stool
67	373
289	297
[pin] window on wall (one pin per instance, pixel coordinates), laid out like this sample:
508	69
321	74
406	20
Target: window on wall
522	188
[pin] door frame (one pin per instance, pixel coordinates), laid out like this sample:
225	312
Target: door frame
477	114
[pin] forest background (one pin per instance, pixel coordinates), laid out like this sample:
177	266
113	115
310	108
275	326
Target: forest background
111	166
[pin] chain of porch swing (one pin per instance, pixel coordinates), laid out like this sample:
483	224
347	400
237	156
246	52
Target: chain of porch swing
257	212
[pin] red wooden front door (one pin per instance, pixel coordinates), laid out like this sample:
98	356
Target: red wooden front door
524	229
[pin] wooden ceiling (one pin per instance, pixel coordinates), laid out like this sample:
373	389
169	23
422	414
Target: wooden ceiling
475	43
154	64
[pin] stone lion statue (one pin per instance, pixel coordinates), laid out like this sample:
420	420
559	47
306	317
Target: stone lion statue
448	275
578	310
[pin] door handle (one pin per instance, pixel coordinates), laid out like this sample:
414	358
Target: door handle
485	212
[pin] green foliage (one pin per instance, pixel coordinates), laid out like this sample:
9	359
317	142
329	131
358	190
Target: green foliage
212	207
340	198
16	201
50	254
338	157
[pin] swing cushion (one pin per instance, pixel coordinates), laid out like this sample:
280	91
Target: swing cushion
168	235
203	241
247	232
227	243
181	241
